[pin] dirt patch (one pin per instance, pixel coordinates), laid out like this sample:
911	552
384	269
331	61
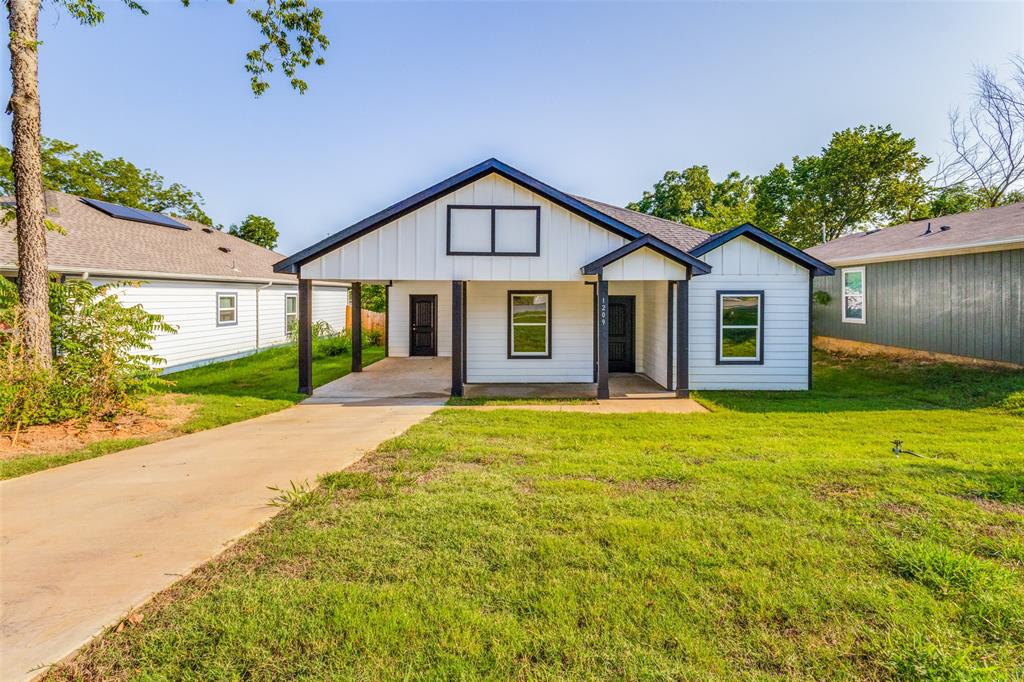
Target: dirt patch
995	506
900	509
162	414
905	356
838	492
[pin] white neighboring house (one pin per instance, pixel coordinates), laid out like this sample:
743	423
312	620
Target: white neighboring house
519	282
219	291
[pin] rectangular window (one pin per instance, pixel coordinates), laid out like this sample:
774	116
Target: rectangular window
291	312
853	295
227	309
740	327
493	230
529	324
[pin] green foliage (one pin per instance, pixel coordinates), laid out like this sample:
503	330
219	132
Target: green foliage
693	198
374	297
822	297
98	370
962	198
89	174
258	230
293	38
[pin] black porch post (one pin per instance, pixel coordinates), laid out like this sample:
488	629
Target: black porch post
357	327
683	337
671	334
458	309
305	330
602	338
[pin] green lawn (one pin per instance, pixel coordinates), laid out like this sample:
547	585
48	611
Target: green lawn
777	537
222	393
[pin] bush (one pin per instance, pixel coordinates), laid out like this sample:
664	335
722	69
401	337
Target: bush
97	372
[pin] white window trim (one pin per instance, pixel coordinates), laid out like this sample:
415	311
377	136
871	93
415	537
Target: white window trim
863	295
233	308
755	359
287	314
514	354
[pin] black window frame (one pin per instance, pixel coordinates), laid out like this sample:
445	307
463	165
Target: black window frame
508	324
493	208
719	360
232	294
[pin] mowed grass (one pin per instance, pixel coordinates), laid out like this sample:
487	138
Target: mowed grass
777	537
222	393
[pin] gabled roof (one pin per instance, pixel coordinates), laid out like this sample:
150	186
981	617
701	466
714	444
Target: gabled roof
986	228
695	266
395	211
767	240
96	242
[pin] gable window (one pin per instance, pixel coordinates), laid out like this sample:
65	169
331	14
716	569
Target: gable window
493	230
227	308
291	312
529	324
740	327
853	295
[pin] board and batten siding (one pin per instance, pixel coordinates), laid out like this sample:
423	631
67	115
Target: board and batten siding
745	265
968	305
191	307
414	247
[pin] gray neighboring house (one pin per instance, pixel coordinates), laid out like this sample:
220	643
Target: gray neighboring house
948	285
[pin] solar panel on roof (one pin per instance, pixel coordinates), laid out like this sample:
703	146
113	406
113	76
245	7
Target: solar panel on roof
136	214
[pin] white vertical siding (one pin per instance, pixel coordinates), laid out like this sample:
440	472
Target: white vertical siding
398	315
655	336
191	307
745	265
415	245
572	345
644	264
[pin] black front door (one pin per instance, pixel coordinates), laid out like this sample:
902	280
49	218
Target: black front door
422	325
621	325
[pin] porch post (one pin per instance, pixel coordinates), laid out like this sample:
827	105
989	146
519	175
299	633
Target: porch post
305	304
602	338
357	327
671	334
458	309
387	318
683	337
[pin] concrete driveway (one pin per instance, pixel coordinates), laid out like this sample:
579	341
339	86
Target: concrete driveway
82	544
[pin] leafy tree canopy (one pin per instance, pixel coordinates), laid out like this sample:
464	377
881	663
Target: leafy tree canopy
89	174
258	230
692	197
374	297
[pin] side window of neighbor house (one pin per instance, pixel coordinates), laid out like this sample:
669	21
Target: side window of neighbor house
853	295
529	332
227	308
291	312
740	327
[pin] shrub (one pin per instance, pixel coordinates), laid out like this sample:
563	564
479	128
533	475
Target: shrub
98	370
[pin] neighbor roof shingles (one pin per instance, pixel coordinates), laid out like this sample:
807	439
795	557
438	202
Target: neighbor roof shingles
966	230
99	243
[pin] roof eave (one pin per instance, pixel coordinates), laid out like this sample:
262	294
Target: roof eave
694	265
817	267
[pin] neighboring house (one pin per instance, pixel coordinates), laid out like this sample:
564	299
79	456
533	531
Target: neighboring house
949	285
219	291
519	282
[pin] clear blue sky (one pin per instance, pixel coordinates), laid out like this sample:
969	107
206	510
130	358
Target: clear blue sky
596	99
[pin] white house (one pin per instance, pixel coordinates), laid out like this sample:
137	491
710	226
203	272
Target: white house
519	282
220	292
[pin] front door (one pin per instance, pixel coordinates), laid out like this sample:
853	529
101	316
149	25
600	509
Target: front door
621	333
422	325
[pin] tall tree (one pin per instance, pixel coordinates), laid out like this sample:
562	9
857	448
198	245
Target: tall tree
868	175
292	40
690	196
88	174
256	229
988	141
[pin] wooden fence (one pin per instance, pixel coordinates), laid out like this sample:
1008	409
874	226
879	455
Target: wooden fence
372	321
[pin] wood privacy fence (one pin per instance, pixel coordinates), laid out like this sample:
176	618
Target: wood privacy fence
372	321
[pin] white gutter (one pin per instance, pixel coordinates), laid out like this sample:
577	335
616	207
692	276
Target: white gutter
909	254
149	275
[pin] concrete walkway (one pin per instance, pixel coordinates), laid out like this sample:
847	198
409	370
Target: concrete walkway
82	544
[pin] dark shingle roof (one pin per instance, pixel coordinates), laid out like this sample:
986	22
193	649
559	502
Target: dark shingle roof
99	243
989	226
677	234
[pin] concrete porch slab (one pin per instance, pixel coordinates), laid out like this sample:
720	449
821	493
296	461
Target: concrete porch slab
390	379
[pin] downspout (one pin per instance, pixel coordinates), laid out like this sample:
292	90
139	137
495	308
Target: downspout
258	290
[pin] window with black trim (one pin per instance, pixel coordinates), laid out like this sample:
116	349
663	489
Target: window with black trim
740	327
291	312
227	308
529	324
493	230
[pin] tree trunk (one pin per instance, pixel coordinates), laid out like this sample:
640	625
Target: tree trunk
33	278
